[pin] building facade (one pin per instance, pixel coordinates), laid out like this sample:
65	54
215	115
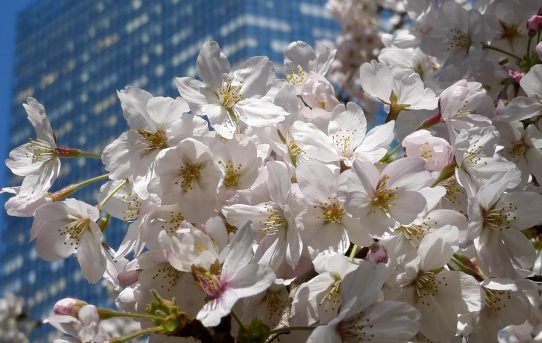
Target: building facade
73	55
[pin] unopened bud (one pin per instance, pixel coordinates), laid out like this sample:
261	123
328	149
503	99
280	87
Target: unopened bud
515	75
377	253
68	306
128	278
534	24
539	50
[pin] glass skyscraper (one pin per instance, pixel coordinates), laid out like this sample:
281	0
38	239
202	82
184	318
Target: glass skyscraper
72	56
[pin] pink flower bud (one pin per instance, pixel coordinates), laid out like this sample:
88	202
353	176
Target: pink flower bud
68	306
515	75
377	253
534	23
436	151
318	92
127	278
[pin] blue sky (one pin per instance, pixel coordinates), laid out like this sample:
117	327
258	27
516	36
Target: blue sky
8	17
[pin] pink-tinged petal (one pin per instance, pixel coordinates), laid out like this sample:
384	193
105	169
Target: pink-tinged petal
300	54
313	142
212	64
378	137
521	108
356	233
278	182
50	244
360	288
376	222
376	79
316	181
532	81
259	112
251	279
213	311
368	175
519	248
20	161
133	102
240	252
256	75
116	157
407	173
439	310
195	93
406	207
294	247
271	250
91	256
163	110
325	334
525	209
437	248
391	322
38	118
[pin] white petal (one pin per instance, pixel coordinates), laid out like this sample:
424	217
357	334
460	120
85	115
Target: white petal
91	256
212	64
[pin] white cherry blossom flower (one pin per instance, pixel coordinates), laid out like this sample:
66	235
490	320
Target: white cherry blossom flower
402	89
230	98
362	318
67	227
381	199
436	151
326	225
38	160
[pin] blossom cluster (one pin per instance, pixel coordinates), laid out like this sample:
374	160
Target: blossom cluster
261	205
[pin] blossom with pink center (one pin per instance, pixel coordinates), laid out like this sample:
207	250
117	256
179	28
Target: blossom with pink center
436	151
233	279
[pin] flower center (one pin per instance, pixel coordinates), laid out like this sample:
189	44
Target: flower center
154	140
332	211
384	197
343	142
274	222
518	148
231	173
229	94
133	206
296	76
428	285
73	232
172	223
209	281
414	233
333	296
40	150
498	218
509	32
459	40
495	299
167	276
189	174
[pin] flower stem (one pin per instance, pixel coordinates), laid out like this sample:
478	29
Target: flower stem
69	190
136	334
241	326
390	154
106	314
489	47
353	252
110	195
291	328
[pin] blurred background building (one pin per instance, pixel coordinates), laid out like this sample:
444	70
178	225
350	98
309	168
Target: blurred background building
72	55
